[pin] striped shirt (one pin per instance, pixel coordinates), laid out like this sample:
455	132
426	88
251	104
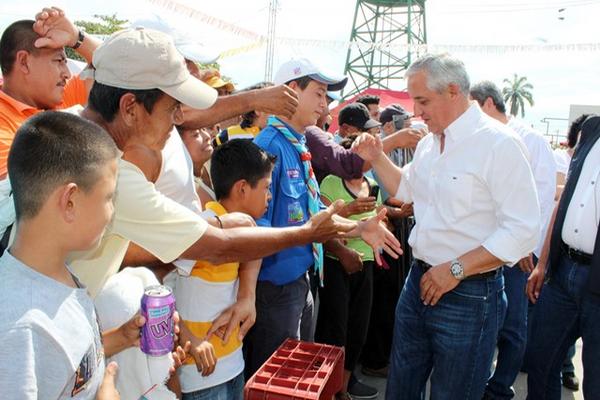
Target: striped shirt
203	291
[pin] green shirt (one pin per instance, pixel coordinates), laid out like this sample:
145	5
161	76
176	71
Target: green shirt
334	188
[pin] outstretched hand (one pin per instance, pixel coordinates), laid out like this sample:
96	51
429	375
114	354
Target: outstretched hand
375	234
277	100
323	226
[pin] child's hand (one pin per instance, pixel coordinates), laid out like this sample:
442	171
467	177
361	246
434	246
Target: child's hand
241	314
130	330
107	390
205	357
179	356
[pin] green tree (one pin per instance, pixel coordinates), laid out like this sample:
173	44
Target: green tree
106	25
516	92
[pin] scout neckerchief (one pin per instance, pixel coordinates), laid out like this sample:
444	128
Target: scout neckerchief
311	183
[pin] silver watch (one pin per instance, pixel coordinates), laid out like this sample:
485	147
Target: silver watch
457	270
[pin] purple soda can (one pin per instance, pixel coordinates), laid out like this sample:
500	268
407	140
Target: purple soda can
158	306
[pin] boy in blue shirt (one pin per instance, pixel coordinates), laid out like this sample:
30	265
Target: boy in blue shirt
284	302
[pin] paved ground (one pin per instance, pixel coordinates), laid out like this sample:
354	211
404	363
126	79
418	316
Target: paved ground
520	384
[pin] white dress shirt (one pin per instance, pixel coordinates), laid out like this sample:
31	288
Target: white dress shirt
479	191
543	166
583	215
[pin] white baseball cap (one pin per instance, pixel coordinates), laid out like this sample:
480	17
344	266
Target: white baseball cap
300	67
141	59
190	48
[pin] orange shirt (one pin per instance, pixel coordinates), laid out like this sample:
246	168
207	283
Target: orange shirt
13	113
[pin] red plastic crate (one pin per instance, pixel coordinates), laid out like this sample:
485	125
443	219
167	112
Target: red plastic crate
298	371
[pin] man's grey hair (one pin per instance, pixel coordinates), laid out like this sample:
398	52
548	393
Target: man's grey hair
441	70
484	89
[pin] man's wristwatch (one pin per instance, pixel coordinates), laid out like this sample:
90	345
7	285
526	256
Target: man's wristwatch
457	270
79	41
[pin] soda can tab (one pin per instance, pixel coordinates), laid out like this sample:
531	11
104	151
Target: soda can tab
158	333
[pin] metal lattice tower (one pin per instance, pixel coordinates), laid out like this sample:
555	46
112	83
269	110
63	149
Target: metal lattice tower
387	25
271	40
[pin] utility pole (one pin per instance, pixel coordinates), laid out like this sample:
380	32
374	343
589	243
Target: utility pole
271	40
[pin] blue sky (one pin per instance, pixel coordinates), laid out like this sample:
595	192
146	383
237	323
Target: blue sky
560	78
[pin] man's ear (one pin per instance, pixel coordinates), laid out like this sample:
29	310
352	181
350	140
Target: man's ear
241	188
128	108
489	103
453	90
67	201
22	60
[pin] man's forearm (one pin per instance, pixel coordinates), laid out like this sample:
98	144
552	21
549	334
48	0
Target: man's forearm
224	108
88	46
479	260
543	260
389	174
219	246
136	256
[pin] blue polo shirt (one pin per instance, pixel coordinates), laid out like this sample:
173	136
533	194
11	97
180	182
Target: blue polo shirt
288	206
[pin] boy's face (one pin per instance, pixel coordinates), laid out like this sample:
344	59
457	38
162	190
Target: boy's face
311	102
256	199
94	209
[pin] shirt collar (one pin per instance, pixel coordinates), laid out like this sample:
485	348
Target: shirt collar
301	138
16	104
462	126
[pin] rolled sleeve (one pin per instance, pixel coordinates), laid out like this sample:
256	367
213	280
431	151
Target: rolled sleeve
329	158
518	212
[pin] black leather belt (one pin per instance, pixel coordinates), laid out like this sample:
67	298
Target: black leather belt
490	274
575	255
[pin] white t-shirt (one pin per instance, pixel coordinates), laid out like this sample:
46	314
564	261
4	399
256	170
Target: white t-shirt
176	179
50	345
117	303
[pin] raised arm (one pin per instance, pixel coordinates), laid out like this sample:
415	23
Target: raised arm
277	100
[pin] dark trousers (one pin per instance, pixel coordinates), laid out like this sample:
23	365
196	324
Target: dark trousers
387	285
565	311
512	338
282	311
344	309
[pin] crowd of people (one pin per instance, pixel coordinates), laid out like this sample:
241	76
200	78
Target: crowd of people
420	242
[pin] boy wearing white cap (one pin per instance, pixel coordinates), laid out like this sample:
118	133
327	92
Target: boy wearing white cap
284	303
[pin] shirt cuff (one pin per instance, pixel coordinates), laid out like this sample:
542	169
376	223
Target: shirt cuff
507	248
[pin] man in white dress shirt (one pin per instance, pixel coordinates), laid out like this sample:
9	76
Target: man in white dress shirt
568	306
476	209
512	338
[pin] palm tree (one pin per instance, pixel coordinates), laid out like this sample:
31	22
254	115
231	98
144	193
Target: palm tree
516	92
